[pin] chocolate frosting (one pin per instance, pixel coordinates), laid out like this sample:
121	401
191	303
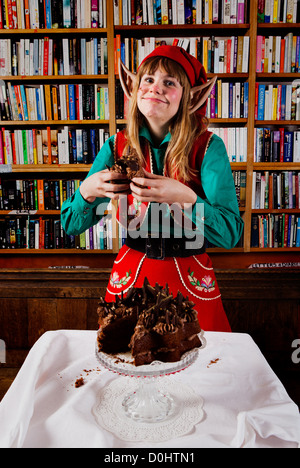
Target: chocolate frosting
129	165
156	312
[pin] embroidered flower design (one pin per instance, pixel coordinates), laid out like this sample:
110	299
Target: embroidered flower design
206	284
118	282
114	278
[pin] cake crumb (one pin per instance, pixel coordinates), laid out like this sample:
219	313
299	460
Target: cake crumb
213	361
79	382
119	360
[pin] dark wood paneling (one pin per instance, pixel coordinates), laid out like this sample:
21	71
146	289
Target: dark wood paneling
42	316
14	321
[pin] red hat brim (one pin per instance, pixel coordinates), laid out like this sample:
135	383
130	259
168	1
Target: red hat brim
193	68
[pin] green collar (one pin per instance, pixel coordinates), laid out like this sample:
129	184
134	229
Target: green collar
144	132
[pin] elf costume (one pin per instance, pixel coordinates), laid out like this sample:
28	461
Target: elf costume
149	251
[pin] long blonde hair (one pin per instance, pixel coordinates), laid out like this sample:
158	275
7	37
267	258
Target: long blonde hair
184	128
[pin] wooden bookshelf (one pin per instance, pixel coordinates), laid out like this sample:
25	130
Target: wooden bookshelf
51	168
239	257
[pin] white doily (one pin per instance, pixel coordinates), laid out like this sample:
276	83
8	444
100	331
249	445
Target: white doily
110	415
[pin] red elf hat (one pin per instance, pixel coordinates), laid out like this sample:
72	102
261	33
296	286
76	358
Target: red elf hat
194	70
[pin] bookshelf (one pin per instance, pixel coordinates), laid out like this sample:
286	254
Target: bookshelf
92	68
279	71
246	166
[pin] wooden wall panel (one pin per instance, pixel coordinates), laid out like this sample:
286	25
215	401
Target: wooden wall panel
42	316
273	324
14	322
72	314
92	317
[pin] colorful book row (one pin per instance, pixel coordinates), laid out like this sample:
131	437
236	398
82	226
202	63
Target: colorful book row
51	146
217	54
228	100
280	145
27	232
35	195
278	11
277	102
276	190
276	54
235	140
40	14
54	102
275	230
153	12
225	54
47	57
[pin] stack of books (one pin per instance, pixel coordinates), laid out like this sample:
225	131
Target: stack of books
40	14
51	146
276	190
228	100
276	54
47	56
153	12
278	11
29	232
235	140
277	102
35	195
217	54
54	102
275	230
280	145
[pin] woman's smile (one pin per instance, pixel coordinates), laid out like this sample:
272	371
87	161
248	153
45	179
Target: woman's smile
154	99
158	99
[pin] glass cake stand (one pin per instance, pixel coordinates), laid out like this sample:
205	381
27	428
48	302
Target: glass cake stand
147	403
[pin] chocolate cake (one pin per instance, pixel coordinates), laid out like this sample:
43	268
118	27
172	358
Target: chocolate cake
117	321
151	323
128	165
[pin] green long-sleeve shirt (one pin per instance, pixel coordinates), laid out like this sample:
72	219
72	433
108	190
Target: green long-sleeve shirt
222	222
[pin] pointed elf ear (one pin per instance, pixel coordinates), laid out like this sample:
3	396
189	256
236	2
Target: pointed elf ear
199	94
127	79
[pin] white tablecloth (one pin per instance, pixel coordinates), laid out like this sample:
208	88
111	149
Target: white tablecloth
245	405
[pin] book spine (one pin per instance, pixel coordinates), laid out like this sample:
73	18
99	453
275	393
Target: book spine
94	14
66	13
24	102
72	102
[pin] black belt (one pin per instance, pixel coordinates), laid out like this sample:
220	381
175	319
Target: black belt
158	247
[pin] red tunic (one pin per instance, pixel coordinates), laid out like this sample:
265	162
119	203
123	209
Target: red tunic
193	276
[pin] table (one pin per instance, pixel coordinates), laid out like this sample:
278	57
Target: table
245	405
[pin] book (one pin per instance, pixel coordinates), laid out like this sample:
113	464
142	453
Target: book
94	14
66	13
261	102
288	147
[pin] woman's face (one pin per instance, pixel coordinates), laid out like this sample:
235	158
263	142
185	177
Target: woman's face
158	99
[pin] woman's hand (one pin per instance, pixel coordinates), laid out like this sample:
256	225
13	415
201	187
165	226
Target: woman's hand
162	189
103	184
